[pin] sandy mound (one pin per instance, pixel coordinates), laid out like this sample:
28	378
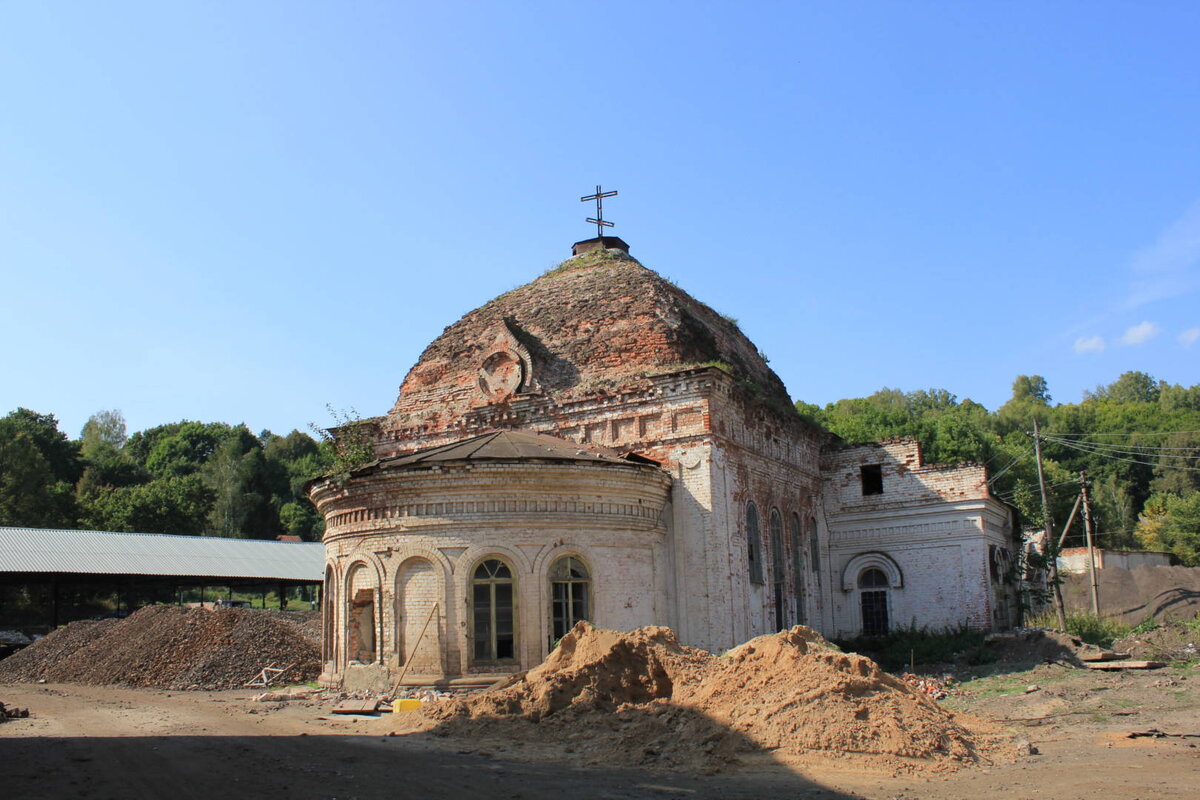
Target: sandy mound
167	647
643	698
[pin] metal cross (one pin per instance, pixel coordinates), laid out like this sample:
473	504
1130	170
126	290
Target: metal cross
599	220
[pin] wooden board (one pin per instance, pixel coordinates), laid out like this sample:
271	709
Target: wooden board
353	706
1107	655
1126	664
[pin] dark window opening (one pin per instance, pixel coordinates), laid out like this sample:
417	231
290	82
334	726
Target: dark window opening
872	479
492	600
874	613
874	602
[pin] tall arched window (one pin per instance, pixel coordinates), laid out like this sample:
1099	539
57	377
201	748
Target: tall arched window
814	550
494	632
797	568
570	587
777	571
753	544
873	585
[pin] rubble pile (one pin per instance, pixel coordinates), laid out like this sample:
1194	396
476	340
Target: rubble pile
642	698
7	713
169	648
1169	641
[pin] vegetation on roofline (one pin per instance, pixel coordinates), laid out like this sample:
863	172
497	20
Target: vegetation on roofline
1137	438
589	259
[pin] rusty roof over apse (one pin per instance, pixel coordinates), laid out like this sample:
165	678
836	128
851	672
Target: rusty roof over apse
28	550
509	446
598	321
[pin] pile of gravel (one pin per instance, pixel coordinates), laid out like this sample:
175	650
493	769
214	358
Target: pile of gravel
169	648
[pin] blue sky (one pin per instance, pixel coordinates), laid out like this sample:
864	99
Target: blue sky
246	211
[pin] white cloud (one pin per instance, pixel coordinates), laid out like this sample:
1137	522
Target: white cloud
1140	333
1089	344
1171	266
1189	337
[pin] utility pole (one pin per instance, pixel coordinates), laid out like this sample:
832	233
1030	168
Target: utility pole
1091	552
1051	548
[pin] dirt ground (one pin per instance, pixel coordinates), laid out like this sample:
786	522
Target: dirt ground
107	742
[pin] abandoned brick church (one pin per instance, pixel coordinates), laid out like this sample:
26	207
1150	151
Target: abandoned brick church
599	445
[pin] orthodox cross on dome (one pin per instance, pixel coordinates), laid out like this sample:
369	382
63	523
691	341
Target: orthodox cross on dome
599	220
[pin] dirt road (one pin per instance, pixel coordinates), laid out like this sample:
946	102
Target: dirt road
104	742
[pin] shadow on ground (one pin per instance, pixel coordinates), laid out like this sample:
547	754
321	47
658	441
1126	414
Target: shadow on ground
344	767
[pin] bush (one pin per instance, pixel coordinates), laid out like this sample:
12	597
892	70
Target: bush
913	645
1100	631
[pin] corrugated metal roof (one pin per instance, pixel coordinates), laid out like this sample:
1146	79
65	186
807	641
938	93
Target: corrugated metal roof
108	553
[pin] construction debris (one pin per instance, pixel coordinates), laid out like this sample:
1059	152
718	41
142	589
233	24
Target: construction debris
937	689
356	706
169	648
642	698
1126	664
7	713
1155	733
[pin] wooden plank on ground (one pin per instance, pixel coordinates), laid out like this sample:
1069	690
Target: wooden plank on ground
1126	664
356	706
1107	655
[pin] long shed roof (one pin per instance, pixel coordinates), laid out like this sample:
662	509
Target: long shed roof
32	550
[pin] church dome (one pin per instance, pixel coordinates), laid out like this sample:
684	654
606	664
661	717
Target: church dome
600	321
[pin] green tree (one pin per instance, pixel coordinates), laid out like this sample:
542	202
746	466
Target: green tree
1172	523
30	494
176	504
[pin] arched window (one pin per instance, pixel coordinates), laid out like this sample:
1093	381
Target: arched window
814	550
873	585
570	587
777	571
753	544
797	568
493	632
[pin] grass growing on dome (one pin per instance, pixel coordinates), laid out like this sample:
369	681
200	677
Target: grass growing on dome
590	259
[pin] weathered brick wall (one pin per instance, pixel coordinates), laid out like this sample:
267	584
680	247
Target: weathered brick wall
935	524
415	553
905	478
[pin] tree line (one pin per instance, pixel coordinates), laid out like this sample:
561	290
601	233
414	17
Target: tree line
183	477
1137	439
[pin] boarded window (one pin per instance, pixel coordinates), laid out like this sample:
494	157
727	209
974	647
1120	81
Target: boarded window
797	570
814	550
778	574
753	544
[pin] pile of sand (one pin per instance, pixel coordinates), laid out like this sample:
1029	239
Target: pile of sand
169	648
644	698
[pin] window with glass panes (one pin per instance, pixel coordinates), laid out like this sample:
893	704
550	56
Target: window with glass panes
494	631
570	586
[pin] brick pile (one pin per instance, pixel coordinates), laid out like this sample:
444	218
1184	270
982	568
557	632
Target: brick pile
169	648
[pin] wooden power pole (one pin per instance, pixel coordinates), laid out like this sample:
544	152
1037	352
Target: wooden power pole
1091	551
1051	546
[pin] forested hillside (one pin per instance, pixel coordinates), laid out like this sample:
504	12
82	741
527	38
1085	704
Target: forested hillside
1138	440
183	477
